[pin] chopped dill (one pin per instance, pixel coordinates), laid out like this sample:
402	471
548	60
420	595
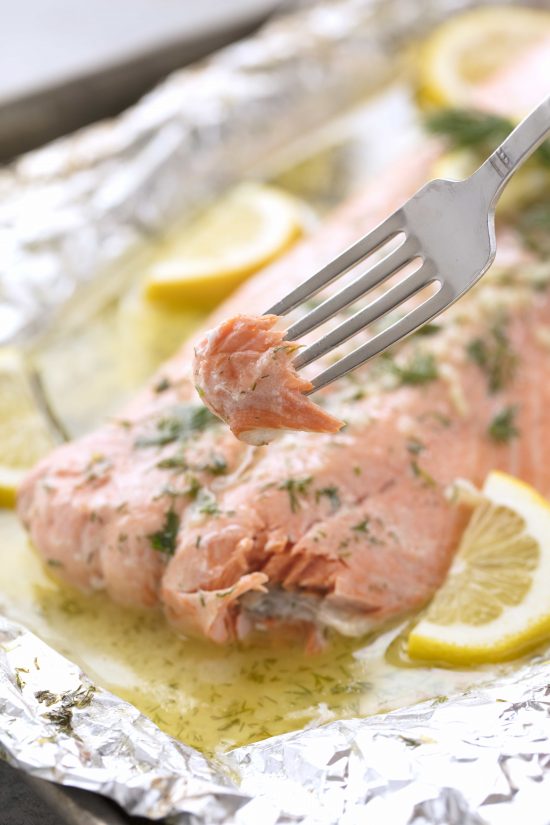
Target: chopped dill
502	428
421	369
193	489
495	357
423	474
62	716
183	421
208	505
217	465
428	330
164	540
331	493
362	526
534	224
162	385
469	128
296	487
174	462
415	447
18	678
221	594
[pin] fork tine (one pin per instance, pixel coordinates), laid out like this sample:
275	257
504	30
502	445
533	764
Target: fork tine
418	316
376	309
348	259
360	286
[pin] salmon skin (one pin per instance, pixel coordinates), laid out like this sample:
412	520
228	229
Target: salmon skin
243	373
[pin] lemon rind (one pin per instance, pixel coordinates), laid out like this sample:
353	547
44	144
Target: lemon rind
498	640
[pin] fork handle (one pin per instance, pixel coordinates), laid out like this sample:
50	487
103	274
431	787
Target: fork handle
520	144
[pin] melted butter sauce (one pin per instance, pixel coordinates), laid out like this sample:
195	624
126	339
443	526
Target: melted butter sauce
209	697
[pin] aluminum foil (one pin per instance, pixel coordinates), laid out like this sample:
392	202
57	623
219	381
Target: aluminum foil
72	212
69	214
483	757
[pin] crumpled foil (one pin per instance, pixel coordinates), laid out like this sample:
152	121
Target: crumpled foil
483	757
69	213
73	211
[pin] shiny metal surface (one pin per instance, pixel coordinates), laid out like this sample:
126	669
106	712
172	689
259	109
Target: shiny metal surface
447	225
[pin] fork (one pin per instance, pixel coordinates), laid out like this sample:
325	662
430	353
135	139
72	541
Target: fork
448	225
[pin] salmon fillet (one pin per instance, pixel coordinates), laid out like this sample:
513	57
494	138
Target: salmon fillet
164	507
243	373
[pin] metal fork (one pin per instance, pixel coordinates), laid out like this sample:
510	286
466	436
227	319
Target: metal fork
448	225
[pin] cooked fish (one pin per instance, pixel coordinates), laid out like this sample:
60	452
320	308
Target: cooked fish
243	373
164	507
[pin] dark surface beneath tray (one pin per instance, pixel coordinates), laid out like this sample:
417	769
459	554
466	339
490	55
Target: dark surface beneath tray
26	801
19	805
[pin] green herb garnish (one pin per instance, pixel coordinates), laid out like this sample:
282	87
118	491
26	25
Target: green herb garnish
473	129
175	462
502	428
534	224
495	357
217	465
162	385
208	505
428	330
415	447
331	493
62	716
362	526
421	369
164	540
423	474
296	487
183	421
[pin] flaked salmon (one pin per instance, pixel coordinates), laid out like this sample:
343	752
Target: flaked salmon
243	373
164	507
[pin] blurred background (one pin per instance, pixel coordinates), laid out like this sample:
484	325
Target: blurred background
64	63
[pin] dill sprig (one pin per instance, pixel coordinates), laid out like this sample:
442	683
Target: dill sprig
495	357
296	487
503	427
472	129
420	369
534	224
181	422
164	540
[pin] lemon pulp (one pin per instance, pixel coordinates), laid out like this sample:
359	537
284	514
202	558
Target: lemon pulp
495	602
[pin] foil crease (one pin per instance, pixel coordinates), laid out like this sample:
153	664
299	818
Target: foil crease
69	213
481	758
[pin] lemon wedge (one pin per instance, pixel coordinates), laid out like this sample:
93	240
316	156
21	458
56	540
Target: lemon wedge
528	184
495	603
468	49
246	230
148	333
24	434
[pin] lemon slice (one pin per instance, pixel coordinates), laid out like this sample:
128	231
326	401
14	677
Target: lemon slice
148	333
24	434
245	231
495	603
528	184
468	49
